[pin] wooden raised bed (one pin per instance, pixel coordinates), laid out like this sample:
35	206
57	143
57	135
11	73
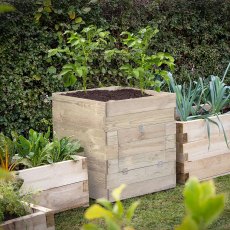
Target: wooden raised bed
128	141
60	186
40	218
195	157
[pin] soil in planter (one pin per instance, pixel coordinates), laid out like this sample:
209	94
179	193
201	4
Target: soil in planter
107	95
8	216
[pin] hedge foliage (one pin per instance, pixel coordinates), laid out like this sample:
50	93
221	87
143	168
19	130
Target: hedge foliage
195	32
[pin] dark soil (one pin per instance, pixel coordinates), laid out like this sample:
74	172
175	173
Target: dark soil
8	216
107	95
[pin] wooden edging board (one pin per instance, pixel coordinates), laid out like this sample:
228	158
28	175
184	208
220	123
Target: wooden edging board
59	186
201	156
40	218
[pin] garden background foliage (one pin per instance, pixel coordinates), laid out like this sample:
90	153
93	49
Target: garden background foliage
195	32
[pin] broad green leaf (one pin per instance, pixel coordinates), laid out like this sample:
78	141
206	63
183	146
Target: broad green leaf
188	224
131	210
117	192
212	208
4	8
105	203
78	20
96	211
69	80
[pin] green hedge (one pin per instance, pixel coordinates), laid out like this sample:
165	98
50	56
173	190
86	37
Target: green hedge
195	32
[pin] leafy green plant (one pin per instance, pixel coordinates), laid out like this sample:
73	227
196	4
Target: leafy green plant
61	150
144	67
8	162
202	205
115	216
12	203
33	149
82	52
219	95
38	149
188	100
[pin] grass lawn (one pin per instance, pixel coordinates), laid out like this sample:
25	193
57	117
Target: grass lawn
160	211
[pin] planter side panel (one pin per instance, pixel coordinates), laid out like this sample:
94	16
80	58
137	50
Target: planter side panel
199	156
132	141
35	221
59	186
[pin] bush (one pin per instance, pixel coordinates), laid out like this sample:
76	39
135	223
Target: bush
195	33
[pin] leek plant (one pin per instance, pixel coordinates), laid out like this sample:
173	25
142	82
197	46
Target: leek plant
192	101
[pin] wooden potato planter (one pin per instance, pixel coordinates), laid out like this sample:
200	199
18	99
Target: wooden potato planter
40	219
194	155
59	186
129	141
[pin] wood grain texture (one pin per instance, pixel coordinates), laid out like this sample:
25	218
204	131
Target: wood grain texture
197	129
38	220
147	186
138	105
128	141
133	176
137	119
65	197
54	175
199	156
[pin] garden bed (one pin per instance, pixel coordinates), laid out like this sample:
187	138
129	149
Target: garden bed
129	141
199	156
59	186
40	218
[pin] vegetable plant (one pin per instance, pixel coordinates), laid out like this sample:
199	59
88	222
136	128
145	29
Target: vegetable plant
8	162
12	203
61	150
32	150
39	150
144	67
82	51
203	205
115	216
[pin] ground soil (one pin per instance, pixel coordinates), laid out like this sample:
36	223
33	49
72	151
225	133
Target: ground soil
107	95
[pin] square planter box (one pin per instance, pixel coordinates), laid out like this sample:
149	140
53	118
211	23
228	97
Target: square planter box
195	157
128	141
40	218
59	186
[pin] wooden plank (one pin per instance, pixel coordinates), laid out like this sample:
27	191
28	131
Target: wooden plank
112	138
137	119
29	222
197	129
52	176
97	179
96	192
141	132
170	141
170	128
143	146
140	160
147	186
92	140
75	114
209	163
133	176
142	104
65	197
200	149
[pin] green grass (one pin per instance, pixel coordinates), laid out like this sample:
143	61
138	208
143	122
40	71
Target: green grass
160	211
